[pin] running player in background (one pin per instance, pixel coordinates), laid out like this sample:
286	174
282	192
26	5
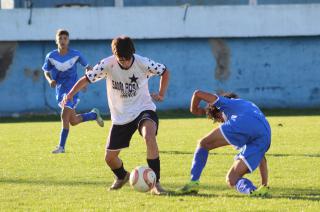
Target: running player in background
60	70
243	126
130	104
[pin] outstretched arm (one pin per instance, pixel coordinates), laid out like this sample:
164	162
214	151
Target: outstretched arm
82	82
263	168
196	99
164	82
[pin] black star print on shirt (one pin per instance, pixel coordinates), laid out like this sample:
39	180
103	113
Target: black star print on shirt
133	79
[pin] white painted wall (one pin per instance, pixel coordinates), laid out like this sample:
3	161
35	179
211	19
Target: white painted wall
162	22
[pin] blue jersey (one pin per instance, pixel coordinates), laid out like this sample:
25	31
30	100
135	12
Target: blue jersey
246	128
63	69
237	107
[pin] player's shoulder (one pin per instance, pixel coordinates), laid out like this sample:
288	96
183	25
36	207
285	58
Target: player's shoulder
140	58
74	52
142	61
108	60
53	53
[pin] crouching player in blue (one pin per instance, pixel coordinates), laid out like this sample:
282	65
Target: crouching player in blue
243	126
60	70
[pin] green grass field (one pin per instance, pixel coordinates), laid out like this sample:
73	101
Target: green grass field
31	178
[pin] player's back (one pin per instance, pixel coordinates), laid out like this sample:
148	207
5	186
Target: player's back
238	107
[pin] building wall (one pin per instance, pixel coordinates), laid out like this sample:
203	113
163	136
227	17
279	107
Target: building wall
272	72
104	3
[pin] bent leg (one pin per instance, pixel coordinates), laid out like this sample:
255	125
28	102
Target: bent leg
148	129
212	140
75	118
115	164
235	178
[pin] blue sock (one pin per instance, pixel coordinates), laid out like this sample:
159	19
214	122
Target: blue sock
245	186
198	163
88	116
63	137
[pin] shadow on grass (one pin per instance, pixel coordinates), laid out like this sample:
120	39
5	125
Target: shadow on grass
268	155
165	114
275	193
47	182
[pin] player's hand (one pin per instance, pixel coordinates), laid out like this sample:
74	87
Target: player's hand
66	98
157	97
53	83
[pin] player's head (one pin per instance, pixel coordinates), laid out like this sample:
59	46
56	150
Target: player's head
123	49
214	113
62	38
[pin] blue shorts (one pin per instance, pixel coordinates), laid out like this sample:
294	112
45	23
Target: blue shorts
250	134
70	104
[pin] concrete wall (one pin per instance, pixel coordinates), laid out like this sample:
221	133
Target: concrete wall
268	54
161	22
273	72
55	3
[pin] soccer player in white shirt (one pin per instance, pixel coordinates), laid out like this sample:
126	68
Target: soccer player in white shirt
130	104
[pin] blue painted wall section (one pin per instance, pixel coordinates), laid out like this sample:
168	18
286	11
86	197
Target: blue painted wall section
272	72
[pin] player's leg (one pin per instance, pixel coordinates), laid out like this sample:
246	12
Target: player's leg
75	118
250	157
212	140
94	114
263	190
114	162
119	138
235	179
65	120
148	126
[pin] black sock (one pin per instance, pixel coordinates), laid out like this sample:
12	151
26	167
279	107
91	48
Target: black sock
120	172
154	164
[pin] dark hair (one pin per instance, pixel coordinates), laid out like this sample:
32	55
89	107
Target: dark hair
62	32
122	46
229	95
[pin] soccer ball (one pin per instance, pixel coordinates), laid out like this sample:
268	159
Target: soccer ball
142	179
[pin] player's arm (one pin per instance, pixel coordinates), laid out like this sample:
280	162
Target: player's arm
47	66
263	168
164	82
197	97
48	77
84	63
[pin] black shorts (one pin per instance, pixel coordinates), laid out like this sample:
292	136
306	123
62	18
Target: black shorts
120	135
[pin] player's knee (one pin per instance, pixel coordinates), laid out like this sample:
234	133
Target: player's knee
108	158
231	181
72	123
149	136
203	143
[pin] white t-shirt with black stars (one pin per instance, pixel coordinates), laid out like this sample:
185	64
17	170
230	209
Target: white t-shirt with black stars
128	92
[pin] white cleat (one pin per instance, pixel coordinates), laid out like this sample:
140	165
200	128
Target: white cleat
99	118
58	150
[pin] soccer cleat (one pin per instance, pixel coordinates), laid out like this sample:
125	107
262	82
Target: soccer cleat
158	190
117	184
58	150
99	118
262	191
191	188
